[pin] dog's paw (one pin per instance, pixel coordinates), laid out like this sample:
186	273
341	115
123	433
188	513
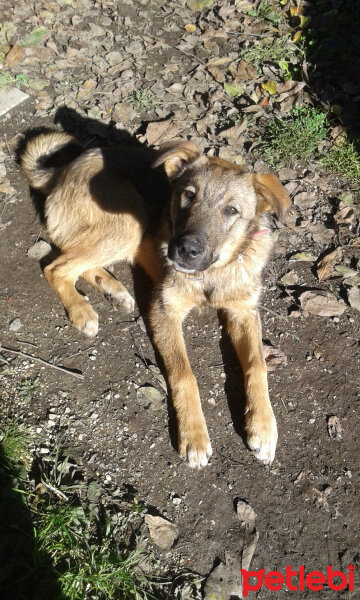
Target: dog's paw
85	319
119	294
262	435
195	447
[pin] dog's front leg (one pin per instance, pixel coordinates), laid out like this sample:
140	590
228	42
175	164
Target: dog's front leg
244	327
193	439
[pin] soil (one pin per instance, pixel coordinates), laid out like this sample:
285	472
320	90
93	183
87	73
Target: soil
307	502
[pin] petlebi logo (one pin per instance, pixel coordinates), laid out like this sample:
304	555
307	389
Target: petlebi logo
298	580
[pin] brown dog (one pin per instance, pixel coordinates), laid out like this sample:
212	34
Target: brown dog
198	226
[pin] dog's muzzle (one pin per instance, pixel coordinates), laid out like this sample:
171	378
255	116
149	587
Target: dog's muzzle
188	252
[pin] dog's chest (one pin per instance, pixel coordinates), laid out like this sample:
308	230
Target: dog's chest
228	285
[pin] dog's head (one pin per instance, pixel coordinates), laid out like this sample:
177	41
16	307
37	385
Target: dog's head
215	206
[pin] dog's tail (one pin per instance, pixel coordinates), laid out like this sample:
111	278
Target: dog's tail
44	154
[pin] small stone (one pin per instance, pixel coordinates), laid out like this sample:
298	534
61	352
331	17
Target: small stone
15	324
39	250
162	532
9	98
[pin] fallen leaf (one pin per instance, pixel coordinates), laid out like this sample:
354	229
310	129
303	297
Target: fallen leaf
233	90
232	134
155	131
162	532
217	74
245	71
345	272
326	266
198	5
322	304
274	358
269	86
190	28
303	256
38	84
14	56
345	215
334	427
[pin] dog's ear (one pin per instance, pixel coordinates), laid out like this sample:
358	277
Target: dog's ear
176	157
271	196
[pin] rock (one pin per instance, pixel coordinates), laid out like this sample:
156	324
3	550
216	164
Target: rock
323	304
15	324
162	532
305	199
285	174
39	250
225	581
274	358
9	98
149	397
290	278
354	297
334	427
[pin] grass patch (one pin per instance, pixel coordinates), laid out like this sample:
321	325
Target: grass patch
278	50
69	540
29	389
294	138
344	160
142	100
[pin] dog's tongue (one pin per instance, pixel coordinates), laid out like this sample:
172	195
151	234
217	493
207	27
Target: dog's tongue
259	233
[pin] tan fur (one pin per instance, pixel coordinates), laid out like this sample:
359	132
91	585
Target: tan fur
203	248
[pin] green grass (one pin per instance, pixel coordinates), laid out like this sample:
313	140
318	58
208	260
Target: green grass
70	541
142	100
264	11
344	160
275	50
294	138
28	389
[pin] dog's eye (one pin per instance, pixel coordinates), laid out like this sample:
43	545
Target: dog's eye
189	194
230	210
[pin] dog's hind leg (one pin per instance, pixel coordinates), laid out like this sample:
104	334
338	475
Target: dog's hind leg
105	283
61	275
83	258
244	327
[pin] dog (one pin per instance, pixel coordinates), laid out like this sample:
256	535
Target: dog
198	225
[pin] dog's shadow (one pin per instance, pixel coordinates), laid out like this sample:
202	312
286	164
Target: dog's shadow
234	381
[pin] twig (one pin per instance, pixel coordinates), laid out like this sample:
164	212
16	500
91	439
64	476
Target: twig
42	361
269	310
55	491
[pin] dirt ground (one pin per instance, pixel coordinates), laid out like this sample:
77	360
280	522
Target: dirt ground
307	502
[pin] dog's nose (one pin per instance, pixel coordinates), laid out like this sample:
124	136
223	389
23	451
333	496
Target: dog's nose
189	247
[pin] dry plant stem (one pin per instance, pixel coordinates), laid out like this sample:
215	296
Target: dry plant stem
42	361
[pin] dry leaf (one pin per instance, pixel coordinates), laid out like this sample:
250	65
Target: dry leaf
321	304
303	256
345	215
245	71
326	266
190	28
233	133
217	74
14	57
163	533
274	358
